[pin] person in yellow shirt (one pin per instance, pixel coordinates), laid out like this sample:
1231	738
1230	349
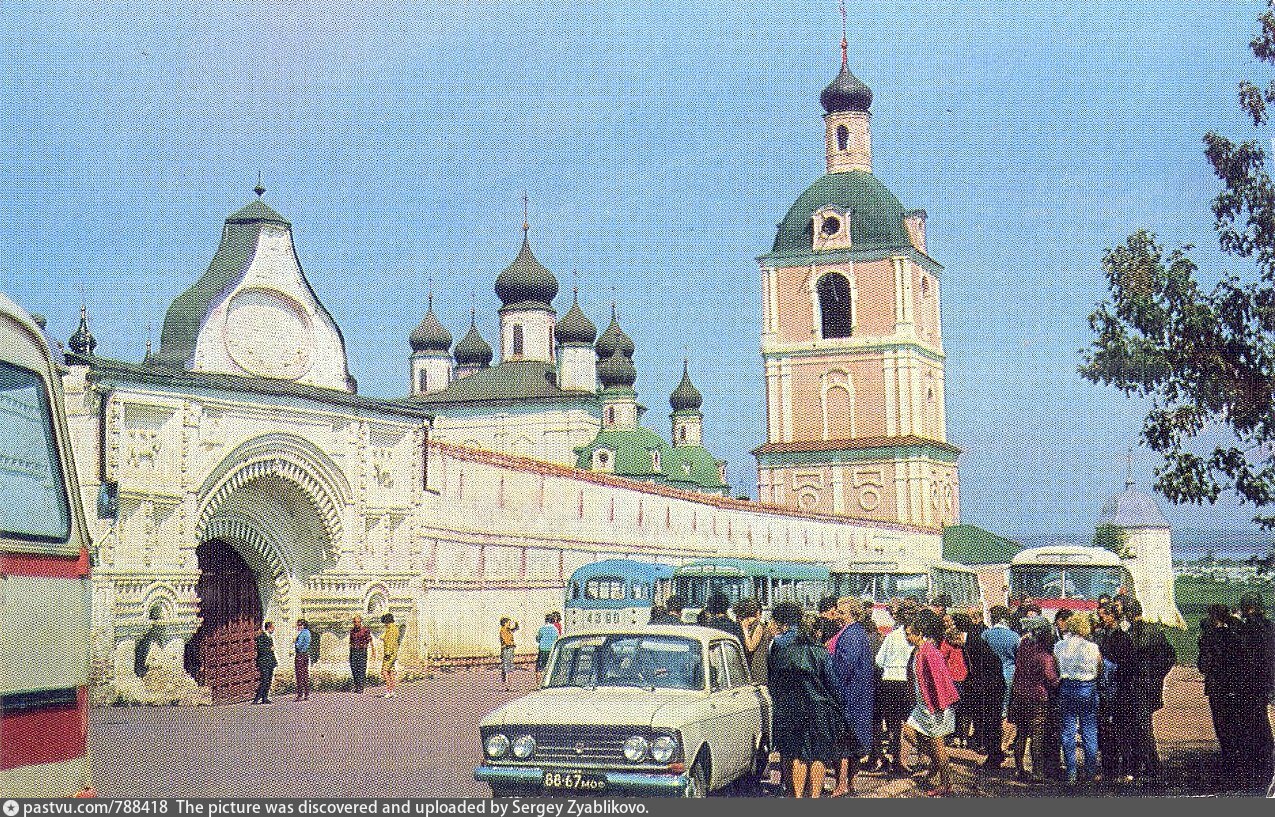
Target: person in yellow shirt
507	629
390	643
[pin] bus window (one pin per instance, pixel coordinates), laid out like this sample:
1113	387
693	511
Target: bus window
33	503
604	587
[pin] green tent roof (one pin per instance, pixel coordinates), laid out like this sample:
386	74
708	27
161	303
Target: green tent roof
971	545
690	468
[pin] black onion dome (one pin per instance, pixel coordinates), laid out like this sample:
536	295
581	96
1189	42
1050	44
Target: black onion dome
575	326
613	340
846	92
526	281
430	335
617	370
686	397
82	342
472	350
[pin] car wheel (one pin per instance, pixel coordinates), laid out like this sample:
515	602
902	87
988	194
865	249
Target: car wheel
696	781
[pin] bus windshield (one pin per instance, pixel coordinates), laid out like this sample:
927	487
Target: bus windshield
695	590
881	586
33	501
1069	582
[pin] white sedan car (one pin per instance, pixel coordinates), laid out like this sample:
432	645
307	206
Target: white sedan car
645	710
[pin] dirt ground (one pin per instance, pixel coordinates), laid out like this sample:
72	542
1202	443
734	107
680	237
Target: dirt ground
1184	734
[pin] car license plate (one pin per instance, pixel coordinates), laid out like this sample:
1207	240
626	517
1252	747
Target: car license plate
574	781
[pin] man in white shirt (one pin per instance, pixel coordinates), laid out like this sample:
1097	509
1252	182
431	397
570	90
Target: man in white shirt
894	698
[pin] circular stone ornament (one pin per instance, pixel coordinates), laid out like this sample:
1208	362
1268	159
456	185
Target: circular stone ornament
269	334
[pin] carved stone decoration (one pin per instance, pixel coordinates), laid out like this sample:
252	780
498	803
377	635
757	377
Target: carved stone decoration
868	485
383	467
144	445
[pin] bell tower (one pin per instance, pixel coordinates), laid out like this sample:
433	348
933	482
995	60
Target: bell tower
852	343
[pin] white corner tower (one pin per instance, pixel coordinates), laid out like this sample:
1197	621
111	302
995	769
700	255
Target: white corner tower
1150	554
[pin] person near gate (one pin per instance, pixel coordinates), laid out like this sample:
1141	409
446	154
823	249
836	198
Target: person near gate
360	638
389	641
507	629
545	637
266	663
301	659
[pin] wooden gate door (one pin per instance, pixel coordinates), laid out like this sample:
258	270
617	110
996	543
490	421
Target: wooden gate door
224	646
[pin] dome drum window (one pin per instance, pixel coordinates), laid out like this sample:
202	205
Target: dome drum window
603	460
843	137
655	460
830	229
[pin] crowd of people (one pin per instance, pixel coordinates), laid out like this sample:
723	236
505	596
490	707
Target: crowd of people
849	698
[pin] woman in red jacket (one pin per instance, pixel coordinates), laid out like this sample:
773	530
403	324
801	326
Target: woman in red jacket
934	715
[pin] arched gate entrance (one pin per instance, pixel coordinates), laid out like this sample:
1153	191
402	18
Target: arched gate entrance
222	653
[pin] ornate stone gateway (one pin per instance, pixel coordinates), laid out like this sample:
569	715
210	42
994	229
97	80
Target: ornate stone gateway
222	655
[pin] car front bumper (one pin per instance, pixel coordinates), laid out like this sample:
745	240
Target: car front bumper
530	778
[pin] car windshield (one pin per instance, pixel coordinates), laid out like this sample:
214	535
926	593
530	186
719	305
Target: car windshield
651	661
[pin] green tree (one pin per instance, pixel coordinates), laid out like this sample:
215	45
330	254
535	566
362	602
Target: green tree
1206	359
1112	538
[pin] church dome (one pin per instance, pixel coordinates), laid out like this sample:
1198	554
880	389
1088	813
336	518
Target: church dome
617	371
1132	509
526	282
472	350
686	397
575	326
430	335
82	342
613	340
875	214
846	92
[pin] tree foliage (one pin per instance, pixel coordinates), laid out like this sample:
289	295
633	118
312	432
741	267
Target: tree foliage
1113	538
1206	359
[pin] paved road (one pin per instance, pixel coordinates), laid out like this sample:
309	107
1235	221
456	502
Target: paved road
422	743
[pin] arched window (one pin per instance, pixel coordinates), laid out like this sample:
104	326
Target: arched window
834	305
681	433
517	341
843	137
423	385
610	415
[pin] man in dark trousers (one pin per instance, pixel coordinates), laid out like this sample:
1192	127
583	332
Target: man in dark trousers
984	691
360	639
1140	693
266	663
1253	725
1114	645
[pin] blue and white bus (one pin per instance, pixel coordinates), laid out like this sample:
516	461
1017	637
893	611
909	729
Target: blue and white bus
615	591
768	582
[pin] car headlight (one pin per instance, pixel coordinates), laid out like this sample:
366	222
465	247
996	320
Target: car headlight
524	747
497	745
663	749
635	749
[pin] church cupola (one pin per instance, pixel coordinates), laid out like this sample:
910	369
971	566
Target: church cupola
431	361
472	352
847	134
687	420
576	334
617	374
82	341
526	289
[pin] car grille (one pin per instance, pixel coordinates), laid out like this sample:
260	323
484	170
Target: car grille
583	745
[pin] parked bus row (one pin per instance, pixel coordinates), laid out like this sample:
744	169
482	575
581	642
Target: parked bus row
623	591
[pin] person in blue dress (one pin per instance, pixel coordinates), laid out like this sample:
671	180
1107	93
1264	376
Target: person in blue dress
854	668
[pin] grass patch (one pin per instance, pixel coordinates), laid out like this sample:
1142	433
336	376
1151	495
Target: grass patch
1194	596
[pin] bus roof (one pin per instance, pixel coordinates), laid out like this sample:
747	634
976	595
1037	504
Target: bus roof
623	569
1067	554
735	567
887	566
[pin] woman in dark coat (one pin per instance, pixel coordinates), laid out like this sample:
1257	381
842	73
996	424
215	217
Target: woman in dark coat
1035	678
808	725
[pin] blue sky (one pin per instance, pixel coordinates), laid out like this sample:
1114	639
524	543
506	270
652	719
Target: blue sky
659	147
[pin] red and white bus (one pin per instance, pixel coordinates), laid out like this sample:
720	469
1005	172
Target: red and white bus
1064	576
44	576
883	581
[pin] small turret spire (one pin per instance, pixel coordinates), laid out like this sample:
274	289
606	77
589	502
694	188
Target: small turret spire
1128	479
260	189
83	342
844	59
526	225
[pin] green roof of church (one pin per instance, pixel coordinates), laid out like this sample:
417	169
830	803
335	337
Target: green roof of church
876	215
511	380
632	449
972	545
